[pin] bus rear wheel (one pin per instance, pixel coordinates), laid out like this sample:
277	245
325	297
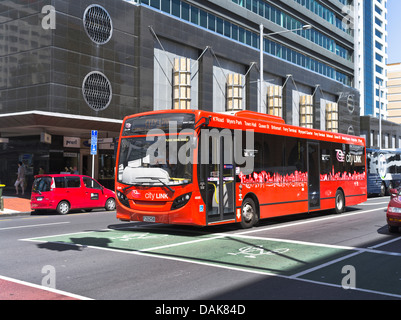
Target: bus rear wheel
382	190
249	214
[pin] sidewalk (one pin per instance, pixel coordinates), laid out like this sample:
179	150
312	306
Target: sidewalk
16	204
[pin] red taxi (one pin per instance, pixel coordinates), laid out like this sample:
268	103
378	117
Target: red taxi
64	192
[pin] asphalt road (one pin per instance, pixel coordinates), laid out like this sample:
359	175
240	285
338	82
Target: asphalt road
316	256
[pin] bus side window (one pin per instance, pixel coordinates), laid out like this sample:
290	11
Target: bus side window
295	151
247	153
325	158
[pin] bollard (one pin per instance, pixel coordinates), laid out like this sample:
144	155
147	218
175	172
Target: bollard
1	197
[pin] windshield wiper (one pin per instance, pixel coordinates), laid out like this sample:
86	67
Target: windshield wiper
130	186
158	179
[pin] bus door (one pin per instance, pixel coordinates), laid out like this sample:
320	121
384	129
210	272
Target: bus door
220	178
313	175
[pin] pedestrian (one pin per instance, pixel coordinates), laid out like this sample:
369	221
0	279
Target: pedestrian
41	170
20	178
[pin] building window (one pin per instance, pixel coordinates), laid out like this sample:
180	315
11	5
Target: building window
332	117
234	92
98	24
372	134
306	111
182	83
274	101
96	89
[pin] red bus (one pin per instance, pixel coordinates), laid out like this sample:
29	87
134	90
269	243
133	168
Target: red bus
194	167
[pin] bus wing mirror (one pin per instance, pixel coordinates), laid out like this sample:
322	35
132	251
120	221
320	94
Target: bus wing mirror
205	123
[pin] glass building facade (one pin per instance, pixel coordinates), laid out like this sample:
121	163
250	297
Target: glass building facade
215	23
368	57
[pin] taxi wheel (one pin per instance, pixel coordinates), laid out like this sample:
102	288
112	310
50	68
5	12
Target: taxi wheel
63	207
110	204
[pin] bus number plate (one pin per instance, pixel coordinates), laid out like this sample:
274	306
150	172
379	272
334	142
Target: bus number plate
149	219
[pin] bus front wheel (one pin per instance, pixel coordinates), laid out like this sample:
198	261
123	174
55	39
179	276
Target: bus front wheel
249	214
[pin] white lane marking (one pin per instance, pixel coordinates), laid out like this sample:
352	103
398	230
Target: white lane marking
385	243
373	203
34	225
64	293
309	221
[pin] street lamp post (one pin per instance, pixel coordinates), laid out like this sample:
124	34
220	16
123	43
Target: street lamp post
380	116
261	37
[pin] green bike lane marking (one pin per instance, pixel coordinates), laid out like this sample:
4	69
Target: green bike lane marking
375	273
132	240
268	256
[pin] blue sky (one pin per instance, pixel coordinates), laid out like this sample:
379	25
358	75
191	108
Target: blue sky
394	30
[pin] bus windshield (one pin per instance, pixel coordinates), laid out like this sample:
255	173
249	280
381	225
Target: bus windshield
149	154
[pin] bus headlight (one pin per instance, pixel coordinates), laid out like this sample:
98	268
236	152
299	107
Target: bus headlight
123	199
181	201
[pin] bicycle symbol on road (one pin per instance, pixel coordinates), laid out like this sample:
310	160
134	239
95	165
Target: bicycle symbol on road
257	251
138	236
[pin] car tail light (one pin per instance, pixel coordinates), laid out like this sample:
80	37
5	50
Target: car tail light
394	210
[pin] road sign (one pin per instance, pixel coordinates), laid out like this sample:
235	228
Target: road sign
94	142
93	149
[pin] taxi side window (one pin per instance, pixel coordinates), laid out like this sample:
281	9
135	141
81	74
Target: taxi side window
73	182
59	182
90	183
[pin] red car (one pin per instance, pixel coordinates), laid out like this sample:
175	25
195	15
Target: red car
394	211
63	192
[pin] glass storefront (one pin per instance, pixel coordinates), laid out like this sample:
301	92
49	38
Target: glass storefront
61	155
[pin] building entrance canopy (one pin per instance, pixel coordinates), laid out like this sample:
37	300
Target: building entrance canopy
36	122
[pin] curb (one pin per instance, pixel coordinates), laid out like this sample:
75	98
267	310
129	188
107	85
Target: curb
14	214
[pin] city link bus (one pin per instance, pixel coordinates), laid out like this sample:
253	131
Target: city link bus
193	167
